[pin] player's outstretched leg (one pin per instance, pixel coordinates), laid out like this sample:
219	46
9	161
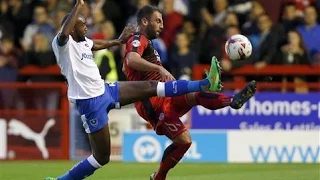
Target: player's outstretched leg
244	95
214	100
132	91
179	87
214	75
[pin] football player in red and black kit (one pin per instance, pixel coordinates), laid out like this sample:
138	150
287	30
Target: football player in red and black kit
142	62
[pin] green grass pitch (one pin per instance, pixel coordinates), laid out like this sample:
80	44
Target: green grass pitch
37	170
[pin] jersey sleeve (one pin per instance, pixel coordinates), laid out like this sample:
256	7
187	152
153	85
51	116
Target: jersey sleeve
56	47
137	43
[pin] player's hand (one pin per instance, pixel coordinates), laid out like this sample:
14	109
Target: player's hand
166	75
80	2
126	33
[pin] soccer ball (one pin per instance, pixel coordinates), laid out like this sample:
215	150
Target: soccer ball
238	47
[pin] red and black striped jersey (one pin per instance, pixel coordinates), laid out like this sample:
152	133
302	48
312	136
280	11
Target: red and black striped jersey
140	44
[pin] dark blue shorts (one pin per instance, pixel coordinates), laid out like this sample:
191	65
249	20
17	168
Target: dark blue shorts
94	111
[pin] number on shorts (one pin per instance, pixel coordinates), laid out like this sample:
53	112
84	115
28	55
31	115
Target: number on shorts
172	127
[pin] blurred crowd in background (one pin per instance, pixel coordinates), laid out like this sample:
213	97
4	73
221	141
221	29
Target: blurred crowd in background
281	32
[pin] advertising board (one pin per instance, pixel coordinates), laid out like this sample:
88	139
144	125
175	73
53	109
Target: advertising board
148	147
264	111
274	147
30	137
232	146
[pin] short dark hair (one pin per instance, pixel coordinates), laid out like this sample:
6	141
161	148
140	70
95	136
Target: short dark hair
146	12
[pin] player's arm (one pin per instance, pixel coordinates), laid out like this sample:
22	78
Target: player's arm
68	25
135	47
103	44
135	61
123	38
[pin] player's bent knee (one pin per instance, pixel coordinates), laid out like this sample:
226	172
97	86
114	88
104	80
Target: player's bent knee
151	86
187	145
183	138
183	146
102	159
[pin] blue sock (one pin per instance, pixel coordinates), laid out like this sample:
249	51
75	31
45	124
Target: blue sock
181	87
81	170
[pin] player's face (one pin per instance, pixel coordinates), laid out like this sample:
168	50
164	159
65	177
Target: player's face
80	28
155	25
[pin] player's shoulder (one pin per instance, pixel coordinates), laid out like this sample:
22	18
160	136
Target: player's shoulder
57	44
138	37
137	40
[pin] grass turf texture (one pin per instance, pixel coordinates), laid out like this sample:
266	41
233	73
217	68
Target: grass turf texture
37	170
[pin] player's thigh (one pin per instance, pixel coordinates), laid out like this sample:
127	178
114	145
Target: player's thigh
95	122
100	144
181	104
96	125
132	91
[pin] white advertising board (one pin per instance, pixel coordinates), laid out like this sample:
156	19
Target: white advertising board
273	146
